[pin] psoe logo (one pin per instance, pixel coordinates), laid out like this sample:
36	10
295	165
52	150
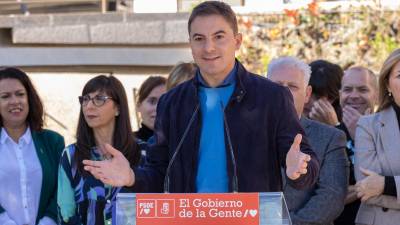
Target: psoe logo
166	208
146	208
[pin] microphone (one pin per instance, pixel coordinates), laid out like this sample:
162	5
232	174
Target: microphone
235	186
178	147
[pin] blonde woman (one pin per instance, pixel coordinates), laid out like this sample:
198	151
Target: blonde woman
377	154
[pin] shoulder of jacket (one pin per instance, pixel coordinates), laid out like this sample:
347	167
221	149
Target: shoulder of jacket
326	130
49	133
369	120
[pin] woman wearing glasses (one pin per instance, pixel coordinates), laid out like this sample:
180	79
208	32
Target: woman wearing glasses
29	154
103	120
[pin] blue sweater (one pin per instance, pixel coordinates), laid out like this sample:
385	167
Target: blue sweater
212	175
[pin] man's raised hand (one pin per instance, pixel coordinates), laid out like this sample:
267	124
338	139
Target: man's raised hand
115	171
296	161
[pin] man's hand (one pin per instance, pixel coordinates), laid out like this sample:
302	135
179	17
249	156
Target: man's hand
296	161
350	118
115	171
372	185
323	111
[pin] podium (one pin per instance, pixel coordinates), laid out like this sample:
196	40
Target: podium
264	208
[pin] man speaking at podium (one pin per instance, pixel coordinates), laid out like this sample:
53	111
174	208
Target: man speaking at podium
226	130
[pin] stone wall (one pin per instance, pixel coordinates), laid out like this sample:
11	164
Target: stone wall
61	52
96	28
94	39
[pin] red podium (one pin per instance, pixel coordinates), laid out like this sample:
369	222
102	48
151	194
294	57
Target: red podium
198	209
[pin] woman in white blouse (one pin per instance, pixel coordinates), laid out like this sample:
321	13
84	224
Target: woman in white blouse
29	154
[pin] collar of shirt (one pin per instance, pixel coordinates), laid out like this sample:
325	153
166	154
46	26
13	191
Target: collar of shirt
230	79
26	138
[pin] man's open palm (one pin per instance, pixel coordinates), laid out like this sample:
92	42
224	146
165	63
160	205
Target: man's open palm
115	171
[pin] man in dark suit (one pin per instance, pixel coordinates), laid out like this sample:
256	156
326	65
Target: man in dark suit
224	130
323	202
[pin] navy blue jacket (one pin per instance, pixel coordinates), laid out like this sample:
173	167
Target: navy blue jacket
262	123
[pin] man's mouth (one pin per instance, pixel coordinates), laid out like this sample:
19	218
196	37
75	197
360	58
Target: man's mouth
355	105
210	58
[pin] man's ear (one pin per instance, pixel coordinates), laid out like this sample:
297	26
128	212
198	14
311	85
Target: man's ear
308	94
238	39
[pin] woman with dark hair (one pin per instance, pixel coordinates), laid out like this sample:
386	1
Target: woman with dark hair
146	104
29	154
324	103
103	120
377	155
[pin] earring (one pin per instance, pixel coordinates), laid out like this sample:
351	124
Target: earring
117	113
390	93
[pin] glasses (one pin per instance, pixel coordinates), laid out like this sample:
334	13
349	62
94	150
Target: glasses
98	100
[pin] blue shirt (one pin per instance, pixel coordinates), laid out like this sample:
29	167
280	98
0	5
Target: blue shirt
212	175
230	79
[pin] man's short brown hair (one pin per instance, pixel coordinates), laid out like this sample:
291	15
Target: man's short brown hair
215	8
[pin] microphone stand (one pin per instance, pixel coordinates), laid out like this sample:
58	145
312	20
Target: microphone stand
178	147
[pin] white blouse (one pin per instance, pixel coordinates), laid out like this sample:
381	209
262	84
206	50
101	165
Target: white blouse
21	181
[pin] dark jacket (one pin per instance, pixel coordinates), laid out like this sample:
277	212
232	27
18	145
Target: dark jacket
49	146
261	122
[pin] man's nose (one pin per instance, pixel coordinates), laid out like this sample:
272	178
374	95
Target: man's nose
354	94
209	45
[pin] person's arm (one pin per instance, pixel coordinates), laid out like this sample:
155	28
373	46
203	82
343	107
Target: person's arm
67	209
149	178
327	202
50	215
367	169
288	126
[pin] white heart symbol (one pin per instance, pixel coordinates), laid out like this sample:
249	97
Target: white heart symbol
253	212
146	211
